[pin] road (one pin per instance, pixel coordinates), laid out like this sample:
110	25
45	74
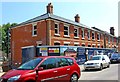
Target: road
105	74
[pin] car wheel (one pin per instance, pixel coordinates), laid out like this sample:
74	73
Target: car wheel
74	78
108	65
101	67
86	69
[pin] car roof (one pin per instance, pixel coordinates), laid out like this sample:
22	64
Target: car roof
54	57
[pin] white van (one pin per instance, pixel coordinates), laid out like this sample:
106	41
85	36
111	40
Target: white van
97	62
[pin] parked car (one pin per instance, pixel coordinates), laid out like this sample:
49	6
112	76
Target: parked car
97	62
47	68
115	58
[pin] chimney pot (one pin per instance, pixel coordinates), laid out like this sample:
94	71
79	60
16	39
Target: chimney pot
50	8
112	30
77	18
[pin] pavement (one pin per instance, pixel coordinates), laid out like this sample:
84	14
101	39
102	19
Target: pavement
1	73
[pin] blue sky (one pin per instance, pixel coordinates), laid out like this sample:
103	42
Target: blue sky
101	14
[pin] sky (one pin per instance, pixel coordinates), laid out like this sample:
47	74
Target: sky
102	14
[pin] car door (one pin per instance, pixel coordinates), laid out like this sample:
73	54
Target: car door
63	68
49	71
104	61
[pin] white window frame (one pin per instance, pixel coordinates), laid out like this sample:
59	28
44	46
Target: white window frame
56	42
88	34
77	32
33	29
112	39
67	30
83	33
94	45
98	38
68	43
94	36
108	39
57	29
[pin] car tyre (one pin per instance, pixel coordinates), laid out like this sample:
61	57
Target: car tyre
86	69
101	67
74	78
108	65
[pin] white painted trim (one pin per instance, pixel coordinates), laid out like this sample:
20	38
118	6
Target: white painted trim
34	24
94	44
76	42
27	46
57	28
77	31
27	24
98	44
83	43
66	42
83	33
68	29
56	41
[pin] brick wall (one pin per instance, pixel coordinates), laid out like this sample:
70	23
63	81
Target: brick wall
22	36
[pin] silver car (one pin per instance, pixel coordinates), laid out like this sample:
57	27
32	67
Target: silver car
97	62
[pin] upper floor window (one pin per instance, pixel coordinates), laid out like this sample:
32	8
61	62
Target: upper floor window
88	34
34	30
56	28
98	36
83	34
75	32
66	30
112	39
93	35
108	39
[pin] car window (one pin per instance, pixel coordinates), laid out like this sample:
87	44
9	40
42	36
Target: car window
114	55
70	61
103	58
96	58
62	62
30	65
49	63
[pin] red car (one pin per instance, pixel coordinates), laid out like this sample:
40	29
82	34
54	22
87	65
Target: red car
45	69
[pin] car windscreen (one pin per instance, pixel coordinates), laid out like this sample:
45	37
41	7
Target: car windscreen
30	65
96	58
114	55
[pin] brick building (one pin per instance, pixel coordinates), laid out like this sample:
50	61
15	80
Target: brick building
49	29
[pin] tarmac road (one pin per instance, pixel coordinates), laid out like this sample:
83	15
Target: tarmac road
112	73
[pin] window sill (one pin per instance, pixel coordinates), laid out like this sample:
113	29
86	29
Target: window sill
89	39
76	37
83	38
98	40
57	35
66	36
34	35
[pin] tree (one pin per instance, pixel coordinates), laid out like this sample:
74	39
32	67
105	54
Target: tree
0	38
4	30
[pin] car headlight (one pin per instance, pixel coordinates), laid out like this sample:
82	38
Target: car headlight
14	78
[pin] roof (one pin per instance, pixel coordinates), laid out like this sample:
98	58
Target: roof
52	16
105	32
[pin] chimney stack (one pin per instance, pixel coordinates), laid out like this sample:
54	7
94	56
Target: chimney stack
112	30
77	18
50	8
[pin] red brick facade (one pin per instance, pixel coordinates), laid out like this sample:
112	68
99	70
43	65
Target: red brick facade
21	36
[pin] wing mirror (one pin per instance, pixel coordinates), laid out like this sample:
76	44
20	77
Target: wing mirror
40	68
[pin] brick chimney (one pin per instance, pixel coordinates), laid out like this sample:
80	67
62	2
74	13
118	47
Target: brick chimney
112	30
50	8
77	18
